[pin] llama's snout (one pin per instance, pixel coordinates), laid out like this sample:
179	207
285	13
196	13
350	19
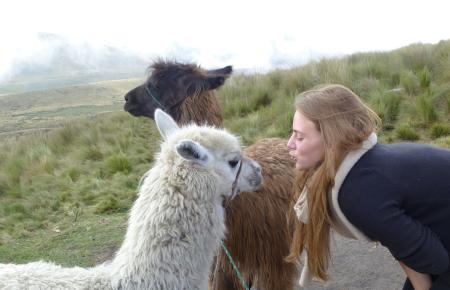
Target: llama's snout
128	102
251	177
258	178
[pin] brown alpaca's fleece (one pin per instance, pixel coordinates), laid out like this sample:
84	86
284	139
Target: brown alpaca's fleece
200	109
258	237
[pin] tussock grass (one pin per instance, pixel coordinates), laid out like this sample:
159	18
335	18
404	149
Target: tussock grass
387	105
426	109
439	130
86	165
404	86
57	187
406	132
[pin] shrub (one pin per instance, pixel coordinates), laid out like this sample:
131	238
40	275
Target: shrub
425	78
447	104
405	132
426	109
394	80
109	204
87	197
118	163
15	207
387	105
74	174
56	204
92	153
4	184
60	140
439	130
410	82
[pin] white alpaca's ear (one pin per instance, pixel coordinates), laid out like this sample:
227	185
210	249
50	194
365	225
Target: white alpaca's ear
192	151
165	124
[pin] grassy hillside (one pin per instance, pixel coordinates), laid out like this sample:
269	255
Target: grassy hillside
64	193
409	88
68	181
45	109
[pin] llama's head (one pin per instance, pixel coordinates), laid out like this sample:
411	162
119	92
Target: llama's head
169	84
208	156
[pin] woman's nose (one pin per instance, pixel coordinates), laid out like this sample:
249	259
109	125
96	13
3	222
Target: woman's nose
290	143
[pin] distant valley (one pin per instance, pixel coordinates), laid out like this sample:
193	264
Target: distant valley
63	81
58	62
45	109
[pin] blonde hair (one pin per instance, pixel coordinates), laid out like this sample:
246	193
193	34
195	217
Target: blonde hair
344	122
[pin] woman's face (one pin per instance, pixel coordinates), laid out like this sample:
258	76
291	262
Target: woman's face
306	145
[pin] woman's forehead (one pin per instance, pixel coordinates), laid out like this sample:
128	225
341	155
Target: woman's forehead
301	124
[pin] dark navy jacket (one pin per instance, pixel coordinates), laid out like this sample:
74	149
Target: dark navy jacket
399	195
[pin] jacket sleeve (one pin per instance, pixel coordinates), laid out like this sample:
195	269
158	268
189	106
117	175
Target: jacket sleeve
373	204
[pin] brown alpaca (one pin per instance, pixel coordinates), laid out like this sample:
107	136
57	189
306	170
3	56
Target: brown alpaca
258	236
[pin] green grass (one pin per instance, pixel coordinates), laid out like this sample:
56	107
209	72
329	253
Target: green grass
439	130
49	108
406	132
387	105
88	241
69	167
48	175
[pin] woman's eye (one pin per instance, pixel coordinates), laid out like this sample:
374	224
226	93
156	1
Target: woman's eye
233	163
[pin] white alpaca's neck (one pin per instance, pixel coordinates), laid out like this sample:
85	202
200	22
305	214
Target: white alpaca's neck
171	239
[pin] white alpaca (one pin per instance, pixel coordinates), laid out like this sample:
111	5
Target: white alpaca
175	225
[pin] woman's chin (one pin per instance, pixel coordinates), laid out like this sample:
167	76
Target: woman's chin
301	166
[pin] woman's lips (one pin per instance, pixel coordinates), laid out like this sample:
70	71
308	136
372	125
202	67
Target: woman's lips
292	155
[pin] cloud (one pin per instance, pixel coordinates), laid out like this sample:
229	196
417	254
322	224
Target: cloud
247	34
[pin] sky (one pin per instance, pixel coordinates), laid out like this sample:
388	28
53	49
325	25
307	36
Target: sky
252	35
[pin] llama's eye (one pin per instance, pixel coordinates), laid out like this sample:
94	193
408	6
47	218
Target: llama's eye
233	163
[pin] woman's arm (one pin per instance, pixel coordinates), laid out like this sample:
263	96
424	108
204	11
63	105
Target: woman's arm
419	281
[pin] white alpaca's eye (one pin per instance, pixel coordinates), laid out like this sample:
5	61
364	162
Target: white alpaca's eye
233	163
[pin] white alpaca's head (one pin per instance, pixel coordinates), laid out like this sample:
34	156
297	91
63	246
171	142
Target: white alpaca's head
213	152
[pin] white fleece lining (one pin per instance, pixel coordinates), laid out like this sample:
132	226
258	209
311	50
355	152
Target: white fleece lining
346	165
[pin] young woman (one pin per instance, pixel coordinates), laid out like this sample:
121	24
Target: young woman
397	194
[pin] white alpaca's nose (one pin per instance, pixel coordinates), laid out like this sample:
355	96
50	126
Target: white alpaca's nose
258	178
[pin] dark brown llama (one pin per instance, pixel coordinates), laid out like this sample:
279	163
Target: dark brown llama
258	236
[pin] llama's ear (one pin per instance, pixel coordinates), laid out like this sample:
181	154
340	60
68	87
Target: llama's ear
225	71
165	124
192	151
215	78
